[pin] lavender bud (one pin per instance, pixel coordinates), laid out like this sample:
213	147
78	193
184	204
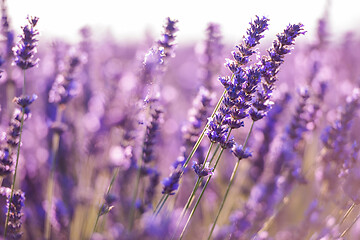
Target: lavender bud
171	183
240	153
15	221
202	171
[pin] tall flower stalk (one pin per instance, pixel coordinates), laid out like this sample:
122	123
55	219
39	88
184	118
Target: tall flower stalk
239	90
24	58
62	91
261	104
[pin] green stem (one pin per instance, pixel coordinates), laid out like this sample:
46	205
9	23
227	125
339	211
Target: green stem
136	189
162	204
347	213
352	224
115	173
51	181
197	142
232	178
197	184
198	201
203	190
159	203
16	164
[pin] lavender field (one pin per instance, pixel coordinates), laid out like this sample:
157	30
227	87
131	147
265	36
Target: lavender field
158	139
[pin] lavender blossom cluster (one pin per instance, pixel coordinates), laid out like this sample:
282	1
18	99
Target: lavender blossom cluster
129	141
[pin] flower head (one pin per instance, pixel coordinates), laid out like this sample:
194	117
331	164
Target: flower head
26	48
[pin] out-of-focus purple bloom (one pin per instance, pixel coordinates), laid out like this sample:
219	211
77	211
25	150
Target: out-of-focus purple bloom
350	174
167	40
6	32
334	136
299	120
146	204
197	117
65	87
6	162
26	48
210	50
171	183
268	131
335	139
150	135
241	153
110	199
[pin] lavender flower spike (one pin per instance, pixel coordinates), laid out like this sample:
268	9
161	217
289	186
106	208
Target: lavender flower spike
26	47
270	67
167	40
16	205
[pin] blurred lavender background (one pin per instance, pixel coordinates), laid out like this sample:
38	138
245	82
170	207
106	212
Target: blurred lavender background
123	92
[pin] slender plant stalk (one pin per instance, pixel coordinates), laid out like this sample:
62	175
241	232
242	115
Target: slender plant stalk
115	173
347	213
197	144
200	196
203	190
136	189
197	184
162	204
352	224
192	195
158	205
16	163
50	186
232	178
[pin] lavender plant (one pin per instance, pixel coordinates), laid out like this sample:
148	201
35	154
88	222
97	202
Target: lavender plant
62	91
105	132
24	58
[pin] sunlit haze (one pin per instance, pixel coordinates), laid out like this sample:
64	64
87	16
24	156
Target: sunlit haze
130	20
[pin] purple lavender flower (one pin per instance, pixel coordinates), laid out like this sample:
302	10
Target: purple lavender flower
64	87
240	87
270	67
26	48
202	170
350	174
171	183
268	131
168	37
150	135
6	32
15	221
6	162
254	34
299	120
197	116
335	140
210	50
241	153
150	190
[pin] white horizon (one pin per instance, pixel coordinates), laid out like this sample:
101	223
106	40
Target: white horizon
131	20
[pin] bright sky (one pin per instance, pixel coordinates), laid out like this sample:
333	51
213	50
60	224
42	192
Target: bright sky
130	19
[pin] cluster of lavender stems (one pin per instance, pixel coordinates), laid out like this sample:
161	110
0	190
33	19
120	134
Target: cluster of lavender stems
106	145
239	89
61	92
24	53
